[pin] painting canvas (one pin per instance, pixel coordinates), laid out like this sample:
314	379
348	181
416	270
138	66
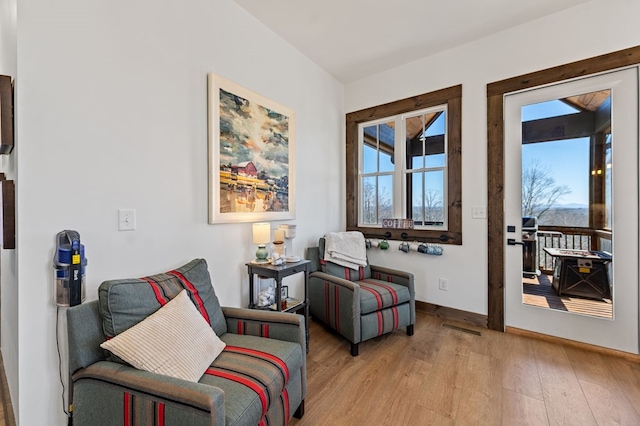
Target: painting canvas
251	155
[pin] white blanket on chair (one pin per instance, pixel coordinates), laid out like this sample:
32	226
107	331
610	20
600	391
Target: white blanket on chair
346	249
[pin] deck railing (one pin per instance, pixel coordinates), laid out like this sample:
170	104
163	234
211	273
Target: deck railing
564	238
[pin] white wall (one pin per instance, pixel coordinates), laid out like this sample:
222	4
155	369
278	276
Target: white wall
113	114
587	30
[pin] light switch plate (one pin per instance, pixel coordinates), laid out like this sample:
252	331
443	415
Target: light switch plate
479	212
126	219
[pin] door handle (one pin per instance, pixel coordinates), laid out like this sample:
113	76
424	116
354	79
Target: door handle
513	242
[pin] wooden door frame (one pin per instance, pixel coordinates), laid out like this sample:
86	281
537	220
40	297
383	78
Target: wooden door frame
495	157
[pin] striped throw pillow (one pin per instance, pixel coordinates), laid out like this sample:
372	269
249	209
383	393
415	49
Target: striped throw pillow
174	341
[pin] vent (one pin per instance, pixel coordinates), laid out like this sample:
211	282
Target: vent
465	330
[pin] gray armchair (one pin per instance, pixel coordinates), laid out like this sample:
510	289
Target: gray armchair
264	376
362	304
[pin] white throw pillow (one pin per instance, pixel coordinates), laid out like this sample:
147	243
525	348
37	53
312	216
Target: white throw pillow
175	341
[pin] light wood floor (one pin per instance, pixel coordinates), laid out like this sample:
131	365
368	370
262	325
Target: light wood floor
443	376
6	409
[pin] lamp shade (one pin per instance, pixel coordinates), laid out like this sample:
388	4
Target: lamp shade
261	233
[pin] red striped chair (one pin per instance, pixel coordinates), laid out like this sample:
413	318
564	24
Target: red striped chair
360	304
258	379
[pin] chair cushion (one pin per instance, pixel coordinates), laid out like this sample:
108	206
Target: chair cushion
253	372
377	294
339	270
125	302
384	321
174	341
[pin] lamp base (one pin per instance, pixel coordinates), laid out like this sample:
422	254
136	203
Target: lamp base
261	254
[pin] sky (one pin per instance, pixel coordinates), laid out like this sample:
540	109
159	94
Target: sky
568	160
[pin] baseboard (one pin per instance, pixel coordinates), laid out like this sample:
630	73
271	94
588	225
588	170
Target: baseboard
451	314
586	346
9	418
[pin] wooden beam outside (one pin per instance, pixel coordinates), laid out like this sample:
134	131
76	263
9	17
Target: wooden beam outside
569	126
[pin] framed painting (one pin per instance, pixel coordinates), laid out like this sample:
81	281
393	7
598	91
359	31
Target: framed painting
251	155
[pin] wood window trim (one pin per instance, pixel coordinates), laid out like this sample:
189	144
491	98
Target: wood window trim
495	157
452	97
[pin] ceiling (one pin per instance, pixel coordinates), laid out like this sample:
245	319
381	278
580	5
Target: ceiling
352	39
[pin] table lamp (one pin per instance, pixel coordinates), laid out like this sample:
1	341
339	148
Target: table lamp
261	237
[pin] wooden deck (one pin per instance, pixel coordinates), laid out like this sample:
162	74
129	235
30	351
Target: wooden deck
538	291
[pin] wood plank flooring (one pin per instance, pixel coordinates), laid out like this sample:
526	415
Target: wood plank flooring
538	291
443	376
6	409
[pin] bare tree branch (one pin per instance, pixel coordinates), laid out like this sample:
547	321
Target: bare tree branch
539	189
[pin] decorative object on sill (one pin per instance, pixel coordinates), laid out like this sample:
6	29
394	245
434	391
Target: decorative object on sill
261	237
8	210
397	223
384	244
249	185
405	247
6	114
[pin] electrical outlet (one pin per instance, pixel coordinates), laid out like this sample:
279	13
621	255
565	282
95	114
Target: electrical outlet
126	220
443	284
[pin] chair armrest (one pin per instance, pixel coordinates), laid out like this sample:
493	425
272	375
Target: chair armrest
397	277
324	291
282	325
349	290
206	398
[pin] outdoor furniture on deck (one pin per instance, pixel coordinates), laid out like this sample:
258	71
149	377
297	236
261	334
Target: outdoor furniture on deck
582	273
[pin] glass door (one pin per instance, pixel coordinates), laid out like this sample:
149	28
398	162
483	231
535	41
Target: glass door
571	204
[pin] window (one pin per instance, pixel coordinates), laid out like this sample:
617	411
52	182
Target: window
420	174
404	162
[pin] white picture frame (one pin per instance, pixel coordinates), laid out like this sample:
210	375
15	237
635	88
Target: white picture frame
251	155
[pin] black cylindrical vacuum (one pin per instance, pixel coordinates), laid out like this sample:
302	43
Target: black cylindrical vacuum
69	264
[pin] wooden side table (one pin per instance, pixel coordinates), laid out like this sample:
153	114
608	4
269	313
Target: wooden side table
278	273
